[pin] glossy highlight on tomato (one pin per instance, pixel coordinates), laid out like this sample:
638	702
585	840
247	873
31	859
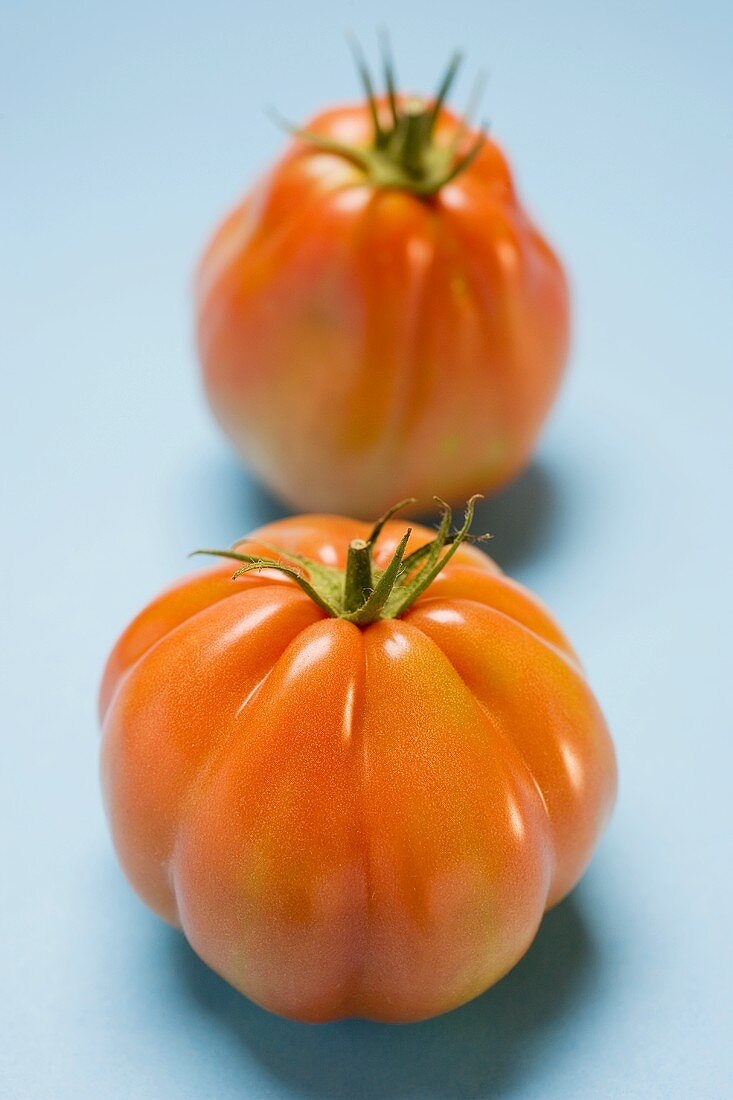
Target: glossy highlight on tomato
380	316
353	816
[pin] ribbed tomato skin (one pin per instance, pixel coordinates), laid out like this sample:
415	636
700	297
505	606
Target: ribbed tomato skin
352	821
360	345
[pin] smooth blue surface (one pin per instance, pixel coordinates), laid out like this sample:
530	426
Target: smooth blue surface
125	131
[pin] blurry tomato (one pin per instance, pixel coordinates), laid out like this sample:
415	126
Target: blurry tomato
358	799
380	316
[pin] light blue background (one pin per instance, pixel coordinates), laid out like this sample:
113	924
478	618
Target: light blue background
126	130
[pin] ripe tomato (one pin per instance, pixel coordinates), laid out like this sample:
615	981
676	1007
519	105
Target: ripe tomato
360	799
380	316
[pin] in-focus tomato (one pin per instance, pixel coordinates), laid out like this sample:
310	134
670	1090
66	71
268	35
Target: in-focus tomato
380	316
357	800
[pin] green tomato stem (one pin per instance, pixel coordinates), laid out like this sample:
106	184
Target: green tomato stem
403	154
362	592
358	582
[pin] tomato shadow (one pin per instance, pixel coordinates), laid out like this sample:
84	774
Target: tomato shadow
523	519
485	1049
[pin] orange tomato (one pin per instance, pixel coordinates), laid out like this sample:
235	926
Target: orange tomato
350	814
380	316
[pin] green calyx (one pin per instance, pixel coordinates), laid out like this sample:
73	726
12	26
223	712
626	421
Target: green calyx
363	593
404	154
